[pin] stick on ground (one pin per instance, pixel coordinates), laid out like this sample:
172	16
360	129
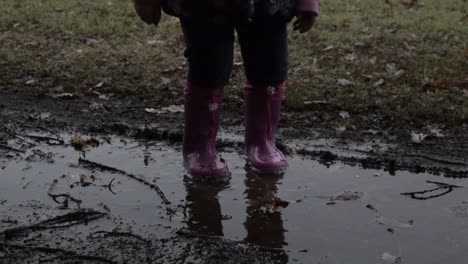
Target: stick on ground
92	164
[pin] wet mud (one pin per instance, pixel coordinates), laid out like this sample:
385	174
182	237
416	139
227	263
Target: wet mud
97	198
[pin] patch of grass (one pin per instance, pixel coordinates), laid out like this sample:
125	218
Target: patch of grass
407	66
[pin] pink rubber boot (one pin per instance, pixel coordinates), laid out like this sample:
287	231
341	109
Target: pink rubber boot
202	114
262	114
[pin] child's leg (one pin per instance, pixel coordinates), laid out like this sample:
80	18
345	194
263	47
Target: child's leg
209	51
264	47
209	54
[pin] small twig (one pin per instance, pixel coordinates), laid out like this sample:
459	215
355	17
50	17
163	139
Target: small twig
442	186
14	134
109	186
417	195
63	221
48	140
134	177
5	250
11	148
67	197
65	253
9	221
42	128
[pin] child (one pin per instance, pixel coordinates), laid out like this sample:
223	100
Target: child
208	27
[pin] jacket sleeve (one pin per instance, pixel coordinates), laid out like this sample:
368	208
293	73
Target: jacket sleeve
308	6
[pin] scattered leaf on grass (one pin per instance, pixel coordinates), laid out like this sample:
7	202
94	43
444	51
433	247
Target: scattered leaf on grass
173	69
399	73
344	114
418	137
350	126
435	83
32	81
341	129
465	92
379	82
99	85
169	109
360	45
165	81
437	132
346	127
154	42
350	57
40	116
68	96
152	110
344	82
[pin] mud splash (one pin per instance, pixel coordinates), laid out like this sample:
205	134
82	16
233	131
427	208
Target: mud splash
323	210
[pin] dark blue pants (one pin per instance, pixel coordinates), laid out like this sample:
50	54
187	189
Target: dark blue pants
210	45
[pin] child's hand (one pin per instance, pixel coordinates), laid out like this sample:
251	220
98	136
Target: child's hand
148	10
304	21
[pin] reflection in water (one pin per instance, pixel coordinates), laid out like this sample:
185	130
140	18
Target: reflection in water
204	210
264	223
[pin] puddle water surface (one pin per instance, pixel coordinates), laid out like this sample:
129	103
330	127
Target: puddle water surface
315	213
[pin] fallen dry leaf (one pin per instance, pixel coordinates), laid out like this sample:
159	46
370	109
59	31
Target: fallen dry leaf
154	42
152	110
68	96
350	57
418	137
80	143
379	82
344	82
349	196
99	85
86	180
437	132
32	81
344	114
40	116
169	109
346	127
435	83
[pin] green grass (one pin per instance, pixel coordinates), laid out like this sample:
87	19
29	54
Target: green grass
77	44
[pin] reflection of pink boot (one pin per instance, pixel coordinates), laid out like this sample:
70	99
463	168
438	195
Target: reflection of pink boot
262	114
202	114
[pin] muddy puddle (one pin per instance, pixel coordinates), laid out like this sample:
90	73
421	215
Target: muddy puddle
318	212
